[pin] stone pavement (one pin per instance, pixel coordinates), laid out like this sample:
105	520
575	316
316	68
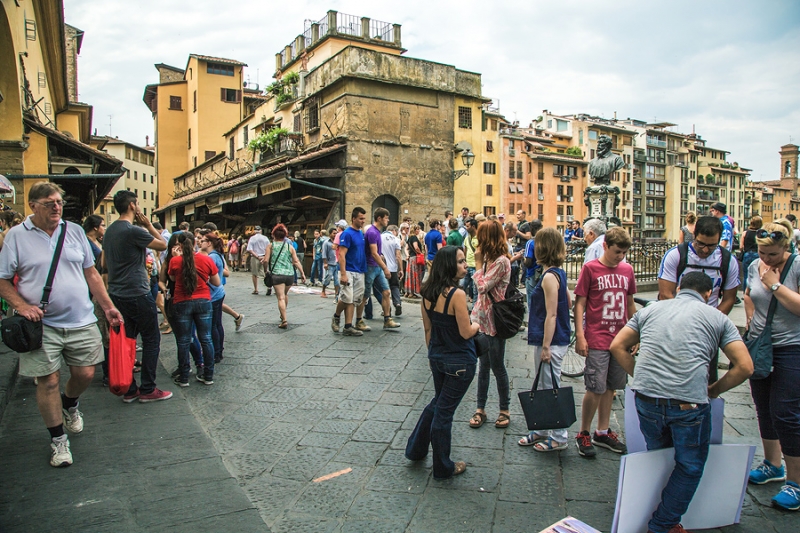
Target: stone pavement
289	407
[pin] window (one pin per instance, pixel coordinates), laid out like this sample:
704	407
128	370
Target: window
465	117
145	211
152	196
151	179
540	189
189	140
572	172
136	192
175	103
580	136
592	135
297	125
558	170
30	30
194	101
221	69
311	110
209	154
489	146
519	170
540	209
194	161
144	196
230	95
246	136
102	210
569	190
560	190
512	189
561	125
511	170
493	124
560	210
511	207
489	190
655	189
135	176
637	187
530	167
113	211
230	148
570	210
489	210
489	168
42	80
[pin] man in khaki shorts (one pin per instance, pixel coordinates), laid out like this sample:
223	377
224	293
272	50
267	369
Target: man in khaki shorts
69	325
257	248
352	267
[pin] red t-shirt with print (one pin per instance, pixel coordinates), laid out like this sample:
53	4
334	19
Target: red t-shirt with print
606	290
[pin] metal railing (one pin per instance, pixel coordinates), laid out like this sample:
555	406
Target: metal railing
381	30
348	24
645	258
652	141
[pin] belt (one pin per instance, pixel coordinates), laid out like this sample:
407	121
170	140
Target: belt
669	402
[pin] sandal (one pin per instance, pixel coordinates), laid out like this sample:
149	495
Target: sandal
283	324
530	439
549	445
137	366
254	292
477	419
167	331
502	422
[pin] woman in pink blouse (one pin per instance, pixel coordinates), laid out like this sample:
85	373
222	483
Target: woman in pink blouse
492	274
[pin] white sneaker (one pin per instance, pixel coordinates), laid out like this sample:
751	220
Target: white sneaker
60	455
73	419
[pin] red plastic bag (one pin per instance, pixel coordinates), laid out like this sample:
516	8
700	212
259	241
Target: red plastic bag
121	357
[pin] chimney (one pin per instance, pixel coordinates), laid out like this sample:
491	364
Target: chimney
147	140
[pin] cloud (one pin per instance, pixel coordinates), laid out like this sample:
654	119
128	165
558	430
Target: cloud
730	68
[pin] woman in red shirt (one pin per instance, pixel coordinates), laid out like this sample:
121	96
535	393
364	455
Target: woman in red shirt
192	273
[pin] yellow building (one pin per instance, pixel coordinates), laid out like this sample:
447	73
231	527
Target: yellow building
139	177
44	132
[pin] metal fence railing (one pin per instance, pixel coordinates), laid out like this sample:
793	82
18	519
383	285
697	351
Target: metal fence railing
645	258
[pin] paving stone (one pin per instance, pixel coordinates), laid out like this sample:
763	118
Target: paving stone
344	427
529	484
246	466
513	517
264	409
345	381
388	413
400	398
361	453
576	470
278	437
382	376
330	394
286	395
376	431
313	371
410	478
598	515
367	391
302	464
229	434
372	526
299	523
476	478
471	512
325	500
409	387
305	416
271	495
324	440
372	505
303	383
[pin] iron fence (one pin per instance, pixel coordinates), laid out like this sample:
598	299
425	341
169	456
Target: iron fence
644	257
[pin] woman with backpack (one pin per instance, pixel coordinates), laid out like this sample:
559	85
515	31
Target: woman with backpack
492	275
211	246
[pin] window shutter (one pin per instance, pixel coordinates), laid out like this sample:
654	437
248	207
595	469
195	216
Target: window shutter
238	96
222	94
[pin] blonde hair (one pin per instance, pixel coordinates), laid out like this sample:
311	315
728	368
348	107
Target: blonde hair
782	225
691	218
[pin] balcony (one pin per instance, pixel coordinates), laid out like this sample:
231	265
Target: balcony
639	156
658	160
682	164
653	141
657	177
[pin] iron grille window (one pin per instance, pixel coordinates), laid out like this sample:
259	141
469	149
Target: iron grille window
312	115
489	168
465	117
298	123
221	69
175	103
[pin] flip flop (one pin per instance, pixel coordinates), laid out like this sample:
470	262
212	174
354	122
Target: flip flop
477	419
503	420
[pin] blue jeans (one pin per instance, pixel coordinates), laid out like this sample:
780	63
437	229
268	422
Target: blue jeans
747	260
141	318
689	432
217	331
435	424
197	313
469	285
331	273
491	353
316	269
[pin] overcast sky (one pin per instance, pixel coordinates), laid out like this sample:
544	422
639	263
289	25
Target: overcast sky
729	68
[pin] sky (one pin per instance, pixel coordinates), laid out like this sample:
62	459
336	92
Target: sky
727	69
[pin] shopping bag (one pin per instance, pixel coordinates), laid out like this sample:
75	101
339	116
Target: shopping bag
121	357
548	408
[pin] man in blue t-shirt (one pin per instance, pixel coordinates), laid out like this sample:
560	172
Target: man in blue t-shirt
720	210
352	267
377	271
532	270
433	241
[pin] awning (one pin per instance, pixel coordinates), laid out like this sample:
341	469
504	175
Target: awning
188	209
246	193
270	187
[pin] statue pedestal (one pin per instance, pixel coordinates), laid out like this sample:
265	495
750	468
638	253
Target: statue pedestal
602	202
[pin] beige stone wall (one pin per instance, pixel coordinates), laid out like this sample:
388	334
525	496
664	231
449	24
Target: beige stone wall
71	38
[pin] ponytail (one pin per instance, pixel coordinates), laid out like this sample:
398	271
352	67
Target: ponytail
188	270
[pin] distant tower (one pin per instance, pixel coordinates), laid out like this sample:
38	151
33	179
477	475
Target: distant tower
789	154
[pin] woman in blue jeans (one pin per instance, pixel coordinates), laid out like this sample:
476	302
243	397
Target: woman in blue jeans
211	246
192	274
749	247
451	355
777	397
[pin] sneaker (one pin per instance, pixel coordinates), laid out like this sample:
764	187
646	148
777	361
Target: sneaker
202	379
73	419
238	321
584	443
105	381
788	498
389	323
352	332
60	454
335	300
155	396
609	441
181	382
335	323
131	397
398	310
767	472
362	326
200	370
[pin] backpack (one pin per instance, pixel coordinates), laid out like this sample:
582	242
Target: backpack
233	248
683	262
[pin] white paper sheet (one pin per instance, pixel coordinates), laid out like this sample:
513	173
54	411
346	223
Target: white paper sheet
634	439
717	502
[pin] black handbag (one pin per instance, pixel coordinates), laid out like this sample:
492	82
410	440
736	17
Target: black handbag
760	347
19	333
548	408
268	274
509	313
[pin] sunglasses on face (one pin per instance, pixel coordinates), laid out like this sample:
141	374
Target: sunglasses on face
774	235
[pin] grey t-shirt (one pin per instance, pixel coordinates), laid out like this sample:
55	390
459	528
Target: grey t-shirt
125	248
785	324
678	339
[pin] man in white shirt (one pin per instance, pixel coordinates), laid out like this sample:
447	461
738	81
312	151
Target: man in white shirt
594	233
257	248
69	330
391	256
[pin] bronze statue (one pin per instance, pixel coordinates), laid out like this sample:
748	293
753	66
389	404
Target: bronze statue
606	163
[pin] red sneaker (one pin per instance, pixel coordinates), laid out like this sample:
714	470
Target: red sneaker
155	396
129	398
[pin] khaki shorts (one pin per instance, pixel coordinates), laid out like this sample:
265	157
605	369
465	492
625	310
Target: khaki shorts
102	322
256	268
353	292
78	346
603	372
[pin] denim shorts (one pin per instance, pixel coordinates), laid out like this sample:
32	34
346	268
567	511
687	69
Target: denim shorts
374	276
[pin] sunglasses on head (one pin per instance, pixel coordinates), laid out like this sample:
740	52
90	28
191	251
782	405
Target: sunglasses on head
774	235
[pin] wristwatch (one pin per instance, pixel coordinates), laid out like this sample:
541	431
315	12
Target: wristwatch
775	286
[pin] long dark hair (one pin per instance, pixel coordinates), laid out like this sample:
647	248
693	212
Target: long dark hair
188	270
443	274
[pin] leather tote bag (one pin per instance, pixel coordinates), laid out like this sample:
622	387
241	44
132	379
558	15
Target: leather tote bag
548	408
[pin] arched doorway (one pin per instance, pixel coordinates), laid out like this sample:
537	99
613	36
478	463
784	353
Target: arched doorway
387	201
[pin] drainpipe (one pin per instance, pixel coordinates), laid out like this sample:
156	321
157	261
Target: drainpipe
318	186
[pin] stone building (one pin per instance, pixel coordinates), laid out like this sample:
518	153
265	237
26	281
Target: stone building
348	122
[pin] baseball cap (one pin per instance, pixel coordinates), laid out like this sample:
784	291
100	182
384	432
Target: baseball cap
258	228
501	215
342	223
719	206
480	217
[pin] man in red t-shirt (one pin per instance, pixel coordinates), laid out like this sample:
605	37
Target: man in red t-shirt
605	292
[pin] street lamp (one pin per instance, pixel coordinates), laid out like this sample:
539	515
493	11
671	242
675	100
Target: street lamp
467	158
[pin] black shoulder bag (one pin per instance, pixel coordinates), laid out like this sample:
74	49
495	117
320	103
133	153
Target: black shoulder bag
508	313
268	274
547	408
19	333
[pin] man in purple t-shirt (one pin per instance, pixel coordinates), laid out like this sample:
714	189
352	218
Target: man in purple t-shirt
377	271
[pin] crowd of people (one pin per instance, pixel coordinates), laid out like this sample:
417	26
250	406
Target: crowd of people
458	269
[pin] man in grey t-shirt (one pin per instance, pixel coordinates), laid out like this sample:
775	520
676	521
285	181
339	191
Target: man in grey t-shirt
677	339
125	249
